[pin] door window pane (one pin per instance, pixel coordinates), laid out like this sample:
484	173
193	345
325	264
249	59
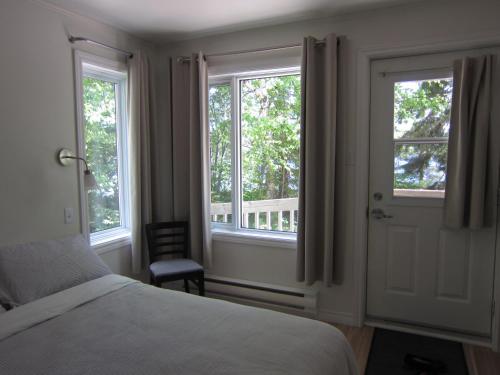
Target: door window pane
99	107
270	141
220	152
421	126
422	108
419	167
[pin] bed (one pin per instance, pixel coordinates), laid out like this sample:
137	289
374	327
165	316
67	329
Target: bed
111	324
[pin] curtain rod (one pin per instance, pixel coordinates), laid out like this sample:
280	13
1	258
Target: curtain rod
73	39
183	59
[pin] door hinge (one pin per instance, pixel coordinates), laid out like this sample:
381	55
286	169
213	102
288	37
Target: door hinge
493	308
367	212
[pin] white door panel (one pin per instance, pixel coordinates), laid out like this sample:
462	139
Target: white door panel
418	271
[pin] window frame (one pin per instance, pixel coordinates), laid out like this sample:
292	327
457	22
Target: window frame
234	232
88	65
435	196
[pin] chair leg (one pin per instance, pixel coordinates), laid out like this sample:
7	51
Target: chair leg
186	285
201	285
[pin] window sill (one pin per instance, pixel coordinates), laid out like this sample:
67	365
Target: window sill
110	240
281	240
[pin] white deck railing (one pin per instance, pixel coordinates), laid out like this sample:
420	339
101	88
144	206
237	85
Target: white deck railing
257	209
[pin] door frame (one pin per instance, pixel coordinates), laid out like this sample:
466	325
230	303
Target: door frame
364	57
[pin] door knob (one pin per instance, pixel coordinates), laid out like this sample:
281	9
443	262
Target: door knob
378	213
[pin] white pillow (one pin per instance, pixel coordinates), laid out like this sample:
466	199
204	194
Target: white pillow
34	270
2	310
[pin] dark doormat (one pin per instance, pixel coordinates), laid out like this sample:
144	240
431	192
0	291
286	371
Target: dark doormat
389	349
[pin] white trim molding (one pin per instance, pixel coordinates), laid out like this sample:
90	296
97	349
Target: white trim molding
112	70
256	237
112	245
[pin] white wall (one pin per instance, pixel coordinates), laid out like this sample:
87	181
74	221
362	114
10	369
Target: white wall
37	117
442	23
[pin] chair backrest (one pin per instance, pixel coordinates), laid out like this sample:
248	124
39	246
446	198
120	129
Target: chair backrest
167	238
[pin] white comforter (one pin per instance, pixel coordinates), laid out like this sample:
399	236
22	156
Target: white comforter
115	325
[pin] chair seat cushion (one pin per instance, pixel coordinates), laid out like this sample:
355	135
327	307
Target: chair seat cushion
174	267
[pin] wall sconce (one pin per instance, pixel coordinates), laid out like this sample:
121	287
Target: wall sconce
66	157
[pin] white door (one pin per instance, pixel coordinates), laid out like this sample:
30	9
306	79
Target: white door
419	272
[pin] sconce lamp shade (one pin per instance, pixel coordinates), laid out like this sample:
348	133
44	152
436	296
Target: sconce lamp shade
89	181
66	157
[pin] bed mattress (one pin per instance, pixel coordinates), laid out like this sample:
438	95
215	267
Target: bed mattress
116	325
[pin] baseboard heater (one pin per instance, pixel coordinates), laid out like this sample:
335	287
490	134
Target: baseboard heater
277	297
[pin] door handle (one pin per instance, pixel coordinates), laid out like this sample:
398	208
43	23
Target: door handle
378	214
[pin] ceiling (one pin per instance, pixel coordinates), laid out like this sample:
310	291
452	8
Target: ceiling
169	20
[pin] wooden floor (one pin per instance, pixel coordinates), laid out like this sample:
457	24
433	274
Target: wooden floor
480	361
360	340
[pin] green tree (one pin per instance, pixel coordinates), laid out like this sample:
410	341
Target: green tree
421	110
101	152
270	127
220	145
270	140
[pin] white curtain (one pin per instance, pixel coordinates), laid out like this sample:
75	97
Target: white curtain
472	171
139	111
320	162
199	162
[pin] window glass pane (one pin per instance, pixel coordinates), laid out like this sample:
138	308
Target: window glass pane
99	107
270	141
420	169
422	108
421	112
220	152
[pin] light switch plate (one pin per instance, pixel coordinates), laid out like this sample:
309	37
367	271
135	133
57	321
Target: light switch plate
69	216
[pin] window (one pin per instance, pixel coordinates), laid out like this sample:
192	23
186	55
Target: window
421	124
254	150
103	136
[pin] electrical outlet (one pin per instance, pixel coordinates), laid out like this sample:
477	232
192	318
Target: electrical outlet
69	216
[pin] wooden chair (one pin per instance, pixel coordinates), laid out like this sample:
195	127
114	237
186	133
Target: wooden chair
171	238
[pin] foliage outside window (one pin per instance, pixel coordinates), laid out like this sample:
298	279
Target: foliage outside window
104	132
220	150
265	138
101	152
421	125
